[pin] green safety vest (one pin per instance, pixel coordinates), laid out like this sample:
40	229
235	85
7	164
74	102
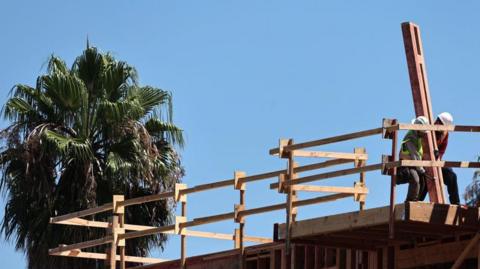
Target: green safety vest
416	140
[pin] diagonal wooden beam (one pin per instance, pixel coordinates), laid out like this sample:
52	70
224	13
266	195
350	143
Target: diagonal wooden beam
422	103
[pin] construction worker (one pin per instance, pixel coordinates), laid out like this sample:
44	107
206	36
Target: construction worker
412	149
449	177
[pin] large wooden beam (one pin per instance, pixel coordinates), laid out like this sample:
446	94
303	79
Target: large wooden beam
327	154
422	103
92	243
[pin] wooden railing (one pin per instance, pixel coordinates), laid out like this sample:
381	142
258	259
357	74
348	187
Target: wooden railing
288	183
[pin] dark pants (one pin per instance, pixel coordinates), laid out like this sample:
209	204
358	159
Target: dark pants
450	179
416	183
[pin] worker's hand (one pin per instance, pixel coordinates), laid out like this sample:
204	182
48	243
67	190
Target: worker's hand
421	171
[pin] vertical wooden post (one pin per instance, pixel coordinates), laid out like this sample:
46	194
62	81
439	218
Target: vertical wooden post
393	183
239	233
119	213
289	217
112	255
361	163
181	197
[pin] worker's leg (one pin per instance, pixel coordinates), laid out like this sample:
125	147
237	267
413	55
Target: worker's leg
423	189
450	179
414	184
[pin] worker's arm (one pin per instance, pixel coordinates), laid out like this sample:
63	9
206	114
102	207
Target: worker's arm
414	155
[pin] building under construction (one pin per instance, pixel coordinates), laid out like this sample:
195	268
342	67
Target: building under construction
398	235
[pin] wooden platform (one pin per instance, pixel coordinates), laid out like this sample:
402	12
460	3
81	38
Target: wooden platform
426	234
368	229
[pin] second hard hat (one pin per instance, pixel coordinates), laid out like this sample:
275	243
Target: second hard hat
446	118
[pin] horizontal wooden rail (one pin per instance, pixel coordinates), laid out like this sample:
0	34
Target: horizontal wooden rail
351	190
316	200
413	163
198	188
156	230
83	213
326	154
333	174
77	253
434	127
328	140
101	224
147	199
87	244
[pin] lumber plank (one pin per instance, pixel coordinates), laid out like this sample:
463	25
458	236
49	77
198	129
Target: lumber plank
328	140
469	247
342	222
102	256
157	230
442	214
351	190
433	127
92	243
457	164
298	203
338	173
83	213
329	154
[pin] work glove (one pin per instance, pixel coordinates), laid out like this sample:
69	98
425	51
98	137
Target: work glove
421	171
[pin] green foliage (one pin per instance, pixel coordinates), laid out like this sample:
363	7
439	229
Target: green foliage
76	138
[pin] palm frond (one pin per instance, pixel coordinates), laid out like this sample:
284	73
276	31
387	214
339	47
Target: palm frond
72	148
165	130
66	91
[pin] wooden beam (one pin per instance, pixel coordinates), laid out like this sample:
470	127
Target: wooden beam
351	190
338	173
342	222
328	154
77	253
433	127
86	244
157	230
422	103
298	203
148	198
442	214
457	164
328	140
83	213
102	224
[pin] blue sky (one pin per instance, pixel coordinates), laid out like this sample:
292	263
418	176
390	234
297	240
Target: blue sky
246	73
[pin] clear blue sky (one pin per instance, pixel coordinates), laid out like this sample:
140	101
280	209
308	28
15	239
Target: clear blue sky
246	73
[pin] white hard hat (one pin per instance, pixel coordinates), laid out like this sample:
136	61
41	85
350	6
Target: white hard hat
420	120
446	118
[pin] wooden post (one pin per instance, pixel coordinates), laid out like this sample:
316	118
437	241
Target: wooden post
422	103
393	183
119	213
112	252
361	163
289	217
181	197
240	232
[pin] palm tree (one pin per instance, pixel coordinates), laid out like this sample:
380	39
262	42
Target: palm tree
76	138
